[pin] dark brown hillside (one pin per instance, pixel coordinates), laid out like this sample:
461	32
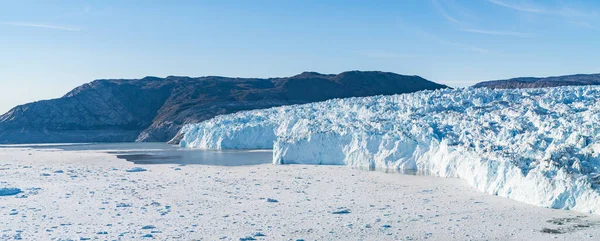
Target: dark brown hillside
154	109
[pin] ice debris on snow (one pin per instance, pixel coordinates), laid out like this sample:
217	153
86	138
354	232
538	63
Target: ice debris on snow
9	191
539	146
341	211
124	205
136	169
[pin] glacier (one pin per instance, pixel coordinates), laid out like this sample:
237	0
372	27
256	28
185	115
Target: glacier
538	146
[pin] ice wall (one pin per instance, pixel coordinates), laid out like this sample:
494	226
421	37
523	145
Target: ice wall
538	146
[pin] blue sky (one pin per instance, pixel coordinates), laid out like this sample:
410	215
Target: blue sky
49	47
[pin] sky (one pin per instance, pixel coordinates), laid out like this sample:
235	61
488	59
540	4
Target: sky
49	47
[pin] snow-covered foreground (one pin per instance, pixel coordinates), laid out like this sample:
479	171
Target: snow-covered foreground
81	195
538	146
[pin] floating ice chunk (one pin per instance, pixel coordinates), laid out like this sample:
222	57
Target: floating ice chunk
9	191
247	238
341	211
124	205
136	169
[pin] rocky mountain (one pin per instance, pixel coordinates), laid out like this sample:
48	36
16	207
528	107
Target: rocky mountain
531	82
154	109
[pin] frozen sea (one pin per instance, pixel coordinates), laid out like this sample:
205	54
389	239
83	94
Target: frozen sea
92	192
162	153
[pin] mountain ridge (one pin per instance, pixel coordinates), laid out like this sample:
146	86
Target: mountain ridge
154	108
542	82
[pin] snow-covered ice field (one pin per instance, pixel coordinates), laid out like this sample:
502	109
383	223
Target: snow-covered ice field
89	195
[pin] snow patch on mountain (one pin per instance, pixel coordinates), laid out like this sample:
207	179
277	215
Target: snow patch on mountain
538	146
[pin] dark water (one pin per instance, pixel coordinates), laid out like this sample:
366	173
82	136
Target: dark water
162	153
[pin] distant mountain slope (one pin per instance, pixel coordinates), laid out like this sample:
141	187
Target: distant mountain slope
154	109
531	82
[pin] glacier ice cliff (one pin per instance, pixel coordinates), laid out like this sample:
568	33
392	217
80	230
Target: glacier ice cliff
538	146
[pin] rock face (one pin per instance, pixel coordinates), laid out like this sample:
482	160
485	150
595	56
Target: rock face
154	109
531	82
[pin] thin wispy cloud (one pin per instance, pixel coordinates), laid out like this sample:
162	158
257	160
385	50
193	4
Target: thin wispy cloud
577	17
433	37
83	11
522	8
492	32
561	10
456	45
583	24
467	27
476	49
442	11
467	47
42	25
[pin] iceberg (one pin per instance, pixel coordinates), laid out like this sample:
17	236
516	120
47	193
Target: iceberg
538	146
